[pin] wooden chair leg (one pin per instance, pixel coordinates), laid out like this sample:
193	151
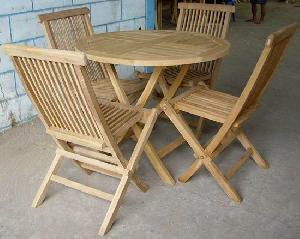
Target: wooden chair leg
191	139
255	155
155	161
221	180
115	205
196	165
199	127
41	194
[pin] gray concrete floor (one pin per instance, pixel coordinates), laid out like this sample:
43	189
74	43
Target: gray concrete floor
198	209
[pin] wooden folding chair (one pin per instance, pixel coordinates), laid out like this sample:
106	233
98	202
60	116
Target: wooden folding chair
230	112
64	29
211	19
84	130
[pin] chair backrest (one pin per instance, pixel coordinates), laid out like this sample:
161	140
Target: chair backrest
211	19
56	83
65	28
269	59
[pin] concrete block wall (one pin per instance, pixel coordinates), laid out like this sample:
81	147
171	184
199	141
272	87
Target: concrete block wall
19	25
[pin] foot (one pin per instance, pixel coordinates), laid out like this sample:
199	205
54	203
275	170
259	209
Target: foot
257	21
250	20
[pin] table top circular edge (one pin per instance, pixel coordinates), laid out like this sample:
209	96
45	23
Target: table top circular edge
95	55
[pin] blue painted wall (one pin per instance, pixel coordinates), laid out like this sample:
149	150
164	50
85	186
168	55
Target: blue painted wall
18	24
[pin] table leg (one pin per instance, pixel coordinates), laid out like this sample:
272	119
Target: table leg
152	155
171	91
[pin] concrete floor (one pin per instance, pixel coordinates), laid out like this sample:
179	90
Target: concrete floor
198	209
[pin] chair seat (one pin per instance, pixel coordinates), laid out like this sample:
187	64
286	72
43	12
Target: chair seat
210	104
192	78
119	118
104	89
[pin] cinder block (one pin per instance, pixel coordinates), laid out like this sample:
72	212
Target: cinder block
4	122
27	110
133	24
19	87
26	26
5	63
15	111
140	23
40	42
100	29
114	27
70	7
128	25
7	86
133	9
105	12
42	4
10	113
15	6
4	30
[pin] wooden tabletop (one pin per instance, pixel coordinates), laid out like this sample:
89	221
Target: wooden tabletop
153	48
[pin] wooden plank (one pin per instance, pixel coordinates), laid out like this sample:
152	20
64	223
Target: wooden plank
70	57
115	205
90	161
150	86
41	194
135	179
63	14
234	168
219	7
165	150
82	188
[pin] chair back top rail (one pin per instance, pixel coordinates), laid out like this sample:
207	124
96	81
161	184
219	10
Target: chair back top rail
204	6
56	83
268	61
63	14
63	56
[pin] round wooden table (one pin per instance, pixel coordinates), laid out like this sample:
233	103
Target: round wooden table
153	48
157	49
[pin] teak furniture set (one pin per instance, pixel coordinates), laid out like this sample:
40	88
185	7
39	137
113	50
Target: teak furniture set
89	111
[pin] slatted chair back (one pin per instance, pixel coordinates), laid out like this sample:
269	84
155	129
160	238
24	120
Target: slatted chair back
269	59
65	28
266	66
55	81
211	19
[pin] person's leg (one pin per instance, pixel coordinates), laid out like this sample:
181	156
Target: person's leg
253	8
263	12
